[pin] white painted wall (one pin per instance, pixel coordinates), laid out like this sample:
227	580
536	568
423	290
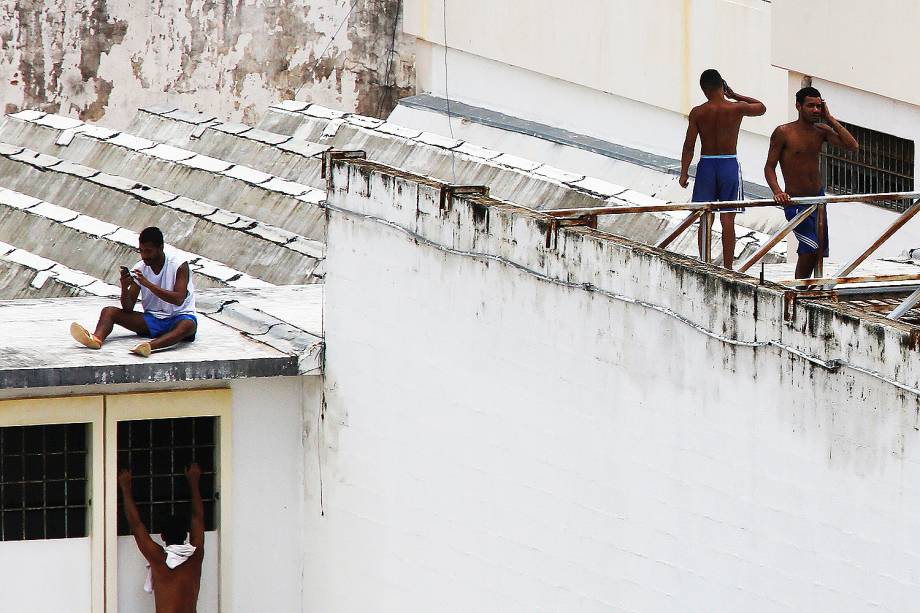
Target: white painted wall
271	417
621	70
46	576
871	48
493	442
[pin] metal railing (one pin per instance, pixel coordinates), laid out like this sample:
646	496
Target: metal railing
704	213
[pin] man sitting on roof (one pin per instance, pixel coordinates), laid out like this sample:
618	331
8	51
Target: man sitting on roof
167	293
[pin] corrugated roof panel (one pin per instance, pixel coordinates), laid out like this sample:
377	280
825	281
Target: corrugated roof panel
91	225
28	115
53	211
204	162
195	207
7	149
17	200
128	141
445	142
478	152
290	105
286	187
517	162
114	181
315	110
314	249
249	175
152	194
557	174
597	186
231	128
77	170
263	136
314	196
97	131
303	147
638	198
190	116
395	130
160	109
125	237
35	159
170	153
58	122
371	123
27	258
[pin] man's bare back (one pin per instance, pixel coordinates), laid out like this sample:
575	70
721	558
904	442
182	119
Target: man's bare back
175	590
718	123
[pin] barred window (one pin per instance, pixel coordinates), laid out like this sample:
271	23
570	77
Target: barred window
883	163
157	451
43	482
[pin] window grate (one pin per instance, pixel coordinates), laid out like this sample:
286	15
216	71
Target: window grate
157	451
883	163
43	477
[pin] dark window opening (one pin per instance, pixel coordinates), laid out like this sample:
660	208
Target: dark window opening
157	451
43	474
883	163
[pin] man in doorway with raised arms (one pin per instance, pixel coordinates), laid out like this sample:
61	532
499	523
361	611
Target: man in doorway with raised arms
164	284
718	174
175	569
797	146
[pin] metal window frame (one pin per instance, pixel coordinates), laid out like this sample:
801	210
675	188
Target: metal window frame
883	163
68	504
147	502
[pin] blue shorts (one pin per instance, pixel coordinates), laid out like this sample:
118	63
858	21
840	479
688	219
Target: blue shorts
158	327
807	232
718	179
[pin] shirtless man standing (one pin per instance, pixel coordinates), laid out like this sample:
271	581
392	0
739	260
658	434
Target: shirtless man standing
797	146
718	175
176	569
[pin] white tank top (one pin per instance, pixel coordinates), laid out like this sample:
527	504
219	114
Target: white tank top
167	280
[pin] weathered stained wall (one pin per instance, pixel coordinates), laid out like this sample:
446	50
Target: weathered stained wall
493	441
95	59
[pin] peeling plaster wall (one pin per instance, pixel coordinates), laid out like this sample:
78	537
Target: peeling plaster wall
96	59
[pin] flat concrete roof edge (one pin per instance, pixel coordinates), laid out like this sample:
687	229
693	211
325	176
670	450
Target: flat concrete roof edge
22	378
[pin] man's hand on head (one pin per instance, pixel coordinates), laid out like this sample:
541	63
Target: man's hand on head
730	93
824	111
